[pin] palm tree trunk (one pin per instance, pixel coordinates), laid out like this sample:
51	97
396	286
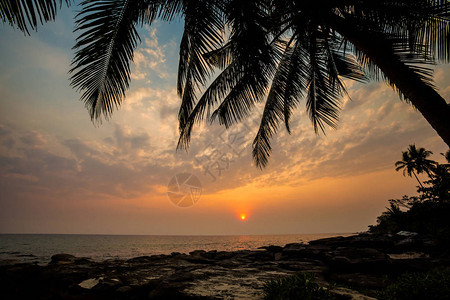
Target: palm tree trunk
418	179
431	105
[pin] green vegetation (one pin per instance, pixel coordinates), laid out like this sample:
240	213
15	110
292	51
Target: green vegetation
299	286
432	285
427	212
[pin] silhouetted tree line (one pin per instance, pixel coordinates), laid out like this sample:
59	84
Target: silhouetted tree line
428	212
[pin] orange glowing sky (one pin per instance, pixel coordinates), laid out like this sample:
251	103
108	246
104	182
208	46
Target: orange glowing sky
61	174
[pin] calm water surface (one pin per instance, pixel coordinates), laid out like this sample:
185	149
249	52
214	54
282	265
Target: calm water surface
40	247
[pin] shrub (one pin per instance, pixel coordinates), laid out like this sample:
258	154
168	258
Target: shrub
428	217
432	285
299	286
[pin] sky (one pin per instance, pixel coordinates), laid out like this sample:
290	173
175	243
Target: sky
60	173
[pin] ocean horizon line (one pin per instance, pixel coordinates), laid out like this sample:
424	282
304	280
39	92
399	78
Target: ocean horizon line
182	235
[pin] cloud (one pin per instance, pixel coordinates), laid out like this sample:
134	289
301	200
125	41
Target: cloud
33	139
150	59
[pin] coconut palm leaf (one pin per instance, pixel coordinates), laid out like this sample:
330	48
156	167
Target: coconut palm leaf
423	25
28	14
256	56
101	66
203	33
220	87
275	110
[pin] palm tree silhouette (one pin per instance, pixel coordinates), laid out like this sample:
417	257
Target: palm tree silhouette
304	52
283	49
415	160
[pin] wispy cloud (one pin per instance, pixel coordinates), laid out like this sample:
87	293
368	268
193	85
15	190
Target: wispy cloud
150	58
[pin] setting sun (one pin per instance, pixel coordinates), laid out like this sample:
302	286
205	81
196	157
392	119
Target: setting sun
243	217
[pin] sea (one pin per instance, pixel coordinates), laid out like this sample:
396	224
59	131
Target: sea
38	248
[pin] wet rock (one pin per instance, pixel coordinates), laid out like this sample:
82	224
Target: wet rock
210	254
330	241
273	249
82	261
221	255
223	274
147	259
345	293
124	289
408	255
296	250
90	283
259	256
366	260
140	259
293	247
305	266
407	233
62	258
197	252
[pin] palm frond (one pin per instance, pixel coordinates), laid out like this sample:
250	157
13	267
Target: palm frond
202	34
423	26
296	82
169	9
275	110
221	57
257	58
220	86
415	64
325	89
101	66
28	14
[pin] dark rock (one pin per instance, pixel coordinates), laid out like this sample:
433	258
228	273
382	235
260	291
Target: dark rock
408	242
147	259
358	261
329	241
415	265
210	254
124	289
346	293
367	260
359	280
305	266
221	255
293	250
380	242
140	259
259	256
273	249
62	258
293	246
296	251
407	233
197	252
82	261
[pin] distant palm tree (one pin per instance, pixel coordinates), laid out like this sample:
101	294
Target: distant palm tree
415	160
440	182
285	49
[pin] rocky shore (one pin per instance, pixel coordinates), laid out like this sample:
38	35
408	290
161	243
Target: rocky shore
355	266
